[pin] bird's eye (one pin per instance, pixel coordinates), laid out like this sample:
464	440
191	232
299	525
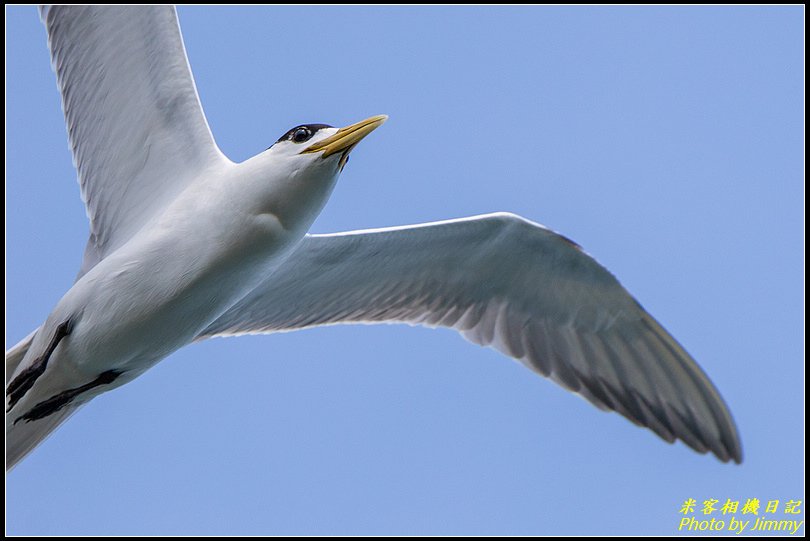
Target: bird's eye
301	134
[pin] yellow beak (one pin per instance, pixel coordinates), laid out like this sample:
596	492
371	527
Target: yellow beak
346	138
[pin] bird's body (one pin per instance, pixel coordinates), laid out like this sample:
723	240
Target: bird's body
160	303
187	245
139	304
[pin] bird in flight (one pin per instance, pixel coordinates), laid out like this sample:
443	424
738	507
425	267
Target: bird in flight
186	245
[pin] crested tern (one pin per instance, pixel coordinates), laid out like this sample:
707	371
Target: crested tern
185	245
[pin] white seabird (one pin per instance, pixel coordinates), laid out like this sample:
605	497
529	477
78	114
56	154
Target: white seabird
185	245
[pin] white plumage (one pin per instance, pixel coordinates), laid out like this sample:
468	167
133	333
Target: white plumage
187	245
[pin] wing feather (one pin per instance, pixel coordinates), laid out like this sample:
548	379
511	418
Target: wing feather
134	120
504	282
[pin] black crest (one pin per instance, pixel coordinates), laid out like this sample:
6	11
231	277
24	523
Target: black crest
302	133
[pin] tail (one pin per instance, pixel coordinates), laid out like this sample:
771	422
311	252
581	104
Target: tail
23	437
15	355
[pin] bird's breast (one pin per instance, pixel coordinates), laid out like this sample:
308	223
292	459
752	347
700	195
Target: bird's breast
159	291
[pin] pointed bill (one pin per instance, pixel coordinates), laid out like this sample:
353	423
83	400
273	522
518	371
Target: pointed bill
346	138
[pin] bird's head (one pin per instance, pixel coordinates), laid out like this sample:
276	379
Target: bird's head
303	166
322	146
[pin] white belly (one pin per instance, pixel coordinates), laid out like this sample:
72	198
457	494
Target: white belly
157	293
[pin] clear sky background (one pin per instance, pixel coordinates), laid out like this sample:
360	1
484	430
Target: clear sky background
668	142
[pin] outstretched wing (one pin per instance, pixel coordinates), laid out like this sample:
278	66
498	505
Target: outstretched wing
506	282
135	124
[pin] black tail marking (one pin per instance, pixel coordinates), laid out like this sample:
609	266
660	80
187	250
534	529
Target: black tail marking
57	402
25	380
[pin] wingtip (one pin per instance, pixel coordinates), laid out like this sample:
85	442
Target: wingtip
725	455
736	452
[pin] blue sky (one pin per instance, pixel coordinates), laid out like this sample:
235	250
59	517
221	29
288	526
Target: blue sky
668	142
